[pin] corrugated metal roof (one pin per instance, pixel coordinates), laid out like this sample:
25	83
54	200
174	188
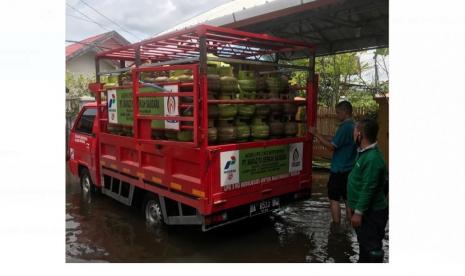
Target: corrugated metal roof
110	39
230	12
333	25
71	49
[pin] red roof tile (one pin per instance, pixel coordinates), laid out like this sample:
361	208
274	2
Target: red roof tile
70	49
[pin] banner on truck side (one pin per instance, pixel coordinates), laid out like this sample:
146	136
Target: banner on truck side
171	107
230	167
112	107
242	168
120	107
296	152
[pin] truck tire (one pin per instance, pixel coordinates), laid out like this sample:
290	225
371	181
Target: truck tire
87	186
152	210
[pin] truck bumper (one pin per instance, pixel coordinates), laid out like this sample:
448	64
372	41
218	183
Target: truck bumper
253	209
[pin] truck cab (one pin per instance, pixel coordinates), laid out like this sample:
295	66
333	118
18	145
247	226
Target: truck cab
83	147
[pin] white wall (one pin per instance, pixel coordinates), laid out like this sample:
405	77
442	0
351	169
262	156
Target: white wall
85	65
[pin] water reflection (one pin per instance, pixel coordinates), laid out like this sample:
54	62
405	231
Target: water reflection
100	229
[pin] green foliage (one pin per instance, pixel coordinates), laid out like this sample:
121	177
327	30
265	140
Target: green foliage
338	65
382	51
299	78
341	75
380	58
78	84
383	87
335	72
361	99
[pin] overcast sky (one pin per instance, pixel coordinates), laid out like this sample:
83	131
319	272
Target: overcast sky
142	18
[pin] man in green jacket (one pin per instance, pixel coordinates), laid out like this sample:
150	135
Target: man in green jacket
365	193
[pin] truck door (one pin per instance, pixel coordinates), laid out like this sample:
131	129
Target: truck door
84	141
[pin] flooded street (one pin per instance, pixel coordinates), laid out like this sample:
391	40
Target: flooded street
104	230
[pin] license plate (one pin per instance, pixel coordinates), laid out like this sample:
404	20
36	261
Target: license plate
264	206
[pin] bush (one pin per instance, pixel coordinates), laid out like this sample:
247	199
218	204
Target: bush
77	85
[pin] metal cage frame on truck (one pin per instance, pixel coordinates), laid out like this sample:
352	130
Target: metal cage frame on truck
186	174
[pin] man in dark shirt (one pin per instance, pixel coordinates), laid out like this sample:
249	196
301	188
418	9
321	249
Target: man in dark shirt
344	153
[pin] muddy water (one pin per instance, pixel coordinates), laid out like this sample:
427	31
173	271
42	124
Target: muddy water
102	230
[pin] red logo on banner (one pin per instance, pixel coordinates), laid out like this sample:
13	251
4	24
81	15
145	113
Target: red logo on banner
171	105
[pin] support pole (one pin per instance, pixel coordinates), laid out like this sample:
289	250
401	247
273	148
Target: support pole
137	55
312	87
375	57
97	70
140	126
122	64
203	91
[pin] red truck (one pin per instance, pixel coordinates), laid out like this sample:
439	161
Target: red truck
193	181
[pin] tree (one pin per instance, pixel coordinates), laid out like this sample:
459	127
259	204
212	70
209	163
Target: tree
77	85
382	53
336	75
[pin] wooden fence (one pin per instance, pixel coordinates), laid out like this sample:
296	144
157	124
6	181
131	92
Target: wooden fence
327	124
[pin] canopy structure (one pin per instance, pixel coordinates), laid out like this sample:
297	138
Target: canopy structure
224	43
334	26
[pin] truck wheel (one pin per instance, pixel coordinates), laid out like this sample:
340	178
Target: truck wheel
87	186
152	210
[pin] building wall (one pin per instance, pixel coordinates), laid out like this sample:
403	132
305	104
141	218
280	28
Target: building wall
85	64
